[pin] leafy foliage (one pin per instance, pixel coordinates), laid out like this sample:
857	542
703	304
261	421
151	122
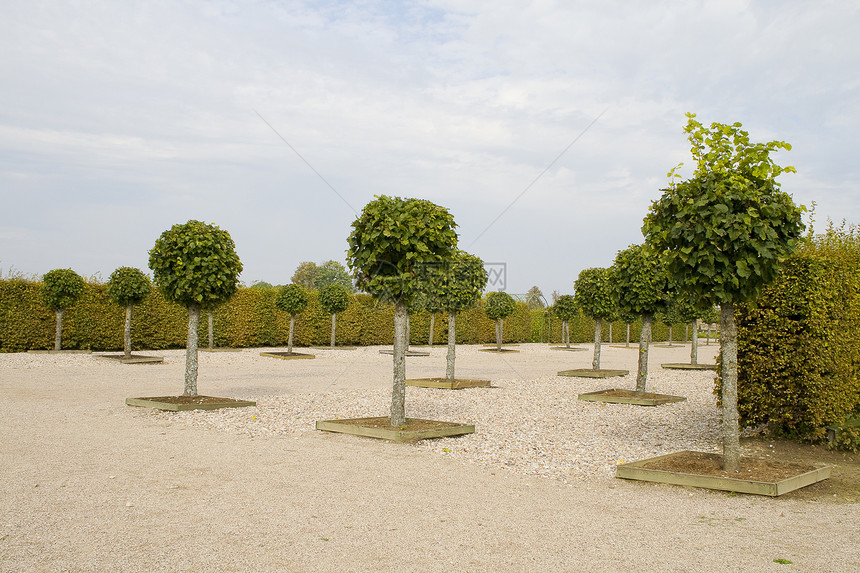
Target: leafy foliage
639	285
128	286
334	298
565	307
499	305
393	237
306	274
455	284
592	292
332	272
292	299
195	264
61	288
724	232
534	298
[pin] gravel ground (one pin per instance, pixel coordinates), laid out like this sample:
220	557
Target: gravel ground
88	484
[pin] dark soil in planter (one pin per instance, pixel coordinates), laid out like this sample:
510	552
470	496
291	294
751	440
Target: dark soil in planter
503	350
707	464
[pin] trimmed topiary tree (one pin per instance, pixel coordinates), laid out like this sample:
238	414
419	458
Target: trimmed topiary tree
389	241
61	288
195	264
334	298
723	234
565	309
126	287
499	306
640	287
592	293
292	299
452	287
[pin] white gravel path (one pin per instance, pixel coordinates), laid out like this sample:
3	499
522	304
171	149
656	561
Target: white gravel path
88	484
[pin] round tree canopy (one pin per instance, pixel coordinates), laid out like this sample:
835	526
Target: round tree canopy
334	298
455	284
195	264
61	288
128	285
639	285
592	293
565	307
499	305
392	238
292	299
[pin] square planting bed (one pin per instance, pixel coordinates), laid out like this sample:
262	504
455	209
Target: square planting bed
287	355
414	429
444	383
60	351
616	396
219	349
134	359
571	349
502	351
688	366
183	403
699	469
407	353
590	373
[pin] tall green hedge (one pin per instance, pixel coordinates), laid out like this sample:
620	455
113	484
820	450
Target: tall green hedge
249	319
548	329
799	345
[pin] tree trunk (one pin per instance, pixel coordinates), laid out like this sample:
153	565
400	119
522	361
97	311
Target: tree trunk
333	323
694	345
432	326
644	343
729	374
398	389
598	326
610	333
452	342
499	334
290	339
670	335
565	334
686	333
627	344
191	351
58	336
211	332
126	335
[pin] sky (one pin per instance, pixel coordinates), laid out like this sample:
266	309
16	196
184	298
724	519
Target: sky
546	127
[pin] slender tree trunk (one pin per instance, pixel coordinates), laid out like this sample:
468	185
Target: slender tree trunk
610	333
290	339
499	334
58	336
694	345
644	343
126	335
686	333
708	336
333	323
627	344
398	389
432	326
211	332
670	335
598	327
565	334
729	374
191	351
452	343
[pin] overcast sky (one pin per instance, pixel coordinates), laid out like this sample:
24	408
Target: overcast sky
120	119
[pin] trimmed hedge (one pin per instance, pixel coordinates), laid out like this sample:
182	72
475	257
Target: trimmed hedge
799	346
249	319
547	328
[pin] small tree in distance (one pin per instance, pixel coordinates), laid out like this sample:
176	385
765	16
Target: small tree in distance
389	242
640	287
292	299
565	309
499	306
334	299
61	288
128	286
195	264
723	234
591	293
